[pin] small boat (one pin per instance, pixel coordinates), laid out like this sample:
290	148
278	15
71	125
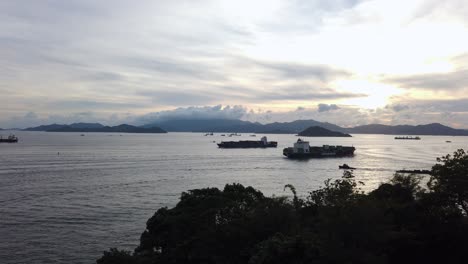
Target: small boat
345	167
9	139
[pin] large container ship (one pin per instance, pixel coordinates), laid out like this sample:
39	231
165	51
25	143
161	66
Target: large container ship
9	139
263	143
302	149
408	138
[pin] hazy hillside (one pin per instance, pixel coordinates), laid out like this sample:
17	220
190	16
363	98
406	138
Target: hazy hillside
240	126
317	131
232	125
429	129
59	126
208	125
124	128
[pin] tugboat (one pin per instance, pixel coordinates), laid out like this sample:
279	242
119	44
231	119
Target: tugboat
263	143
9	139
302	150
345	167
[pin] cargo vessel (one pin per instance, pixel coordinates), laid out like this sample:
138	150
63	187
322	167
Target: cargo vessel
9	139
263	143
302	149
408	138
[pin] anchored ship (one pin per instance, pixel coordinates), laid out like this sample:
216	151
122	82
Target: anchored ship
263	143
409	138
302	149
9	139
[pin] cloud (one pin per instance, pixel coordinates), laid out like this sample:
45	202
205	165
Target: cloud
327	107
297	70
30	115
178	97
450	81
93	105
421	112
307	94
433	81
195	113
112	58
398	107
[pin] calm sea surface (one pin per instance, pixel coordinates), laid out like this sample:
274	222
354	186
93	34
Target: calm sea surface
64	198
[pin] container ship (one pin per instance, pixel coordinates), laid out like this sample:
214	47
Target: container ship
263	143
9	139
408	138
302	149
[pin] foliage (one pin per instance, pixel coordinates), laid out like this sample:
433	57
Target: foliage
450	179
399	222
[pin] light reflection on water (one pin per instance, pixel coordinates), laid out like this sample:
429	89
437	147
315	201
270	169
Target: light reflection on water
66	198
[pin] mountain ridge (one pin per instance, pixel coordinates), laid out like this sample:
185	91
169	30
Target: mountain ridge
240	126
123	128
82	127
316	131
427	129
59	126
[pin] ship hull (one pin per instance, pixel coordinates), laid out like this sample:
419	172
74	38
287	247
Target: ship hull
318	152
8	140
247	144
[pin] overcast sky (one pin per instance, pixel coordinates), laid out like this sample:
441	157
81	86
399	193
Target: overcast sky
347	62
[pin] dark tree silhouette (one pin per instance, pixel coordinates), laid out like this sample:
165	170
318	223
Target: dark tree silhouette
450	179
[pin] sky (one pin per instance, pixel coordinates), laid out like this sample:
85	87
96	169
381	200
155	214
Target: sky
347	62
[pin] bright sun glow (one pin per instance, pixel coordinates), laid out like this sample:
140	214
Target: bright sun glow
378	93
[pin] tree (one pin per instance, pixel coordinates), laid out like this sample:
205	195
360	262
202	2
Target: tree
450	179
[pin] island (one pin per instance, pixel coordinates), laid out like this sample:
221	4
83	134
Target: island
316	131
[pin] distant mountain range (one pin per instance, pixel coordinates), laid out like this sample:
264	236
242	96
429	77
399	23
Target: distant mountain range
294	127
95	127
58	126
316	131
429	129
239	126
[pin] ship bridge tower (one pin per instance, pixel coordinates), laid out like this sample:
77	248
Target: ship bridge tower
301	146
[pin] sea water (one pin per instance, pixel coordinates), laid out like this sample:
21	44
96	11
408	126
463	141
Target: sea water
64	198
